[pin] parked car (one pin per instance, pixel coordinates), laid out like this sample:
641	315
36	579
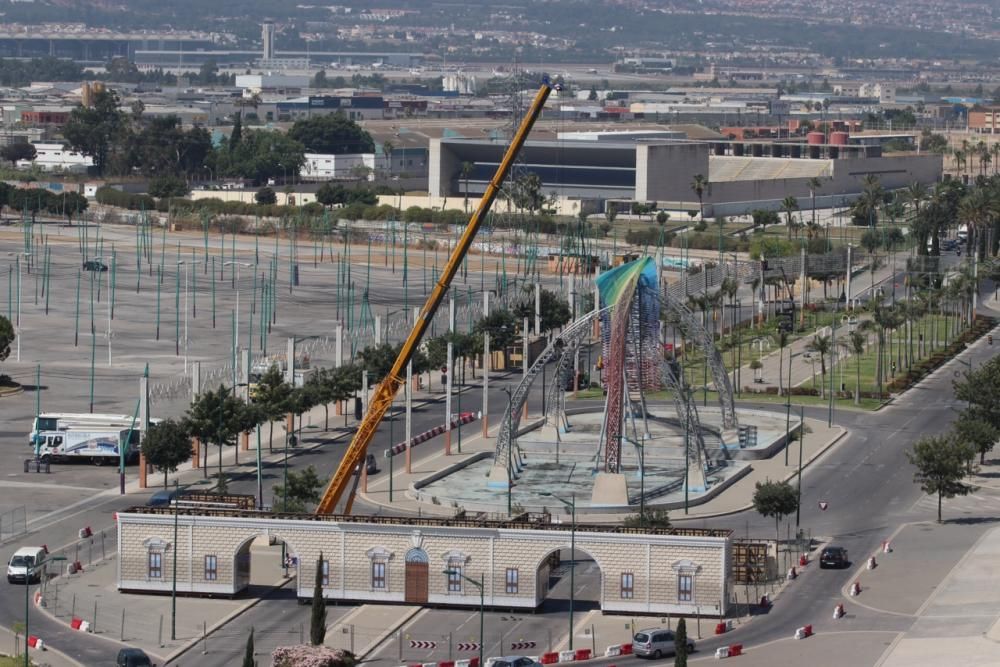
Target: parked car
656	643
834	557
371	467
164	497
512	661
133	657
95	265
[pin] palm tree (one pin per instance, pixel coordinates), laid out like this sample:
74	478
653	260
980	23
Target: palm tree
821	345
782	343
915	193
814	184
855	344
789	204
885	318
466	171
698	184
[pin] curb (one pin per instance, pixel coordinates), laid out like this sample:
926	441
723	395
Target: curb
749	506
223	621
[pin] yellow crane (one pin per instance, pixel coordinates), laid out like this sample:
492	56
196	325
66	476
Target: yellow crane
386	391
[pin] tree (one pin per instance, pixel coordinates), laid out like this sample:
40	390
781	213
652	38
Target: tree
166	446
554	310
271	394
302	490
214	418
168	186
814	184
466	171
651	518
823	346
855	343
662	217
941	462
68	204
7	337
267	196
592	95
777	499
979	434
237	133
99	130
317	619
681	644
330	193
331	134
698	184
259	156
502	327
248	659
789	205
782	343
18	151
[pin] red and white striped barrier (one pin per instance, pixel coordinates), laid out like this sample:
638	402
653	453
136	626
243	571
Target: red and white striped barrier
792	574
550	658
36	642
856	589
886	547
730	651
85	532
803	560
463	418
838	611
79	624
871	563
803	632
618	649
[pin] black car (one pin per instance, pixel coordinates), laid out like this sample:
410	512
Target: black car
95	265
132	657
834	557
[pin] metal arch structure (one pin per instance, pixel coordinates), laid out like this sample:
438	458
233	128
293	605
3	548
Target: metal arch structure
688	321
570	338
563	348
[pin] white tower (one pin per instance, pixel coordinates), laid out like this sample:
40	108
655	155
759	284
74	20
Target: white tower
267	37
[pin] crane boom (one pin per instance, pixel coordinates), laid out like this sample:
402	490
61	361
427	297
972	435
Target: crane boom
386	391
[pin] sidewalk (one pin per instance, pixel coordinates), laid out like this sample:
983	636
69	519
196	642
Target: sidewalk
46	657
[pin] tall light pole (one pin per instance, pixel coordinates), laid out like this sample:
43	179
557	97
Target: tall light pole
173	578
17	322
27	597
184	263
481	585
238	265
510	437
571	504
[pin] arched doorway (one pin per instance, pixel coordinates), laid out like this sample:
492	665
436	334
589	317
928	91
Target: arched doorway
562	568
417	573
262	562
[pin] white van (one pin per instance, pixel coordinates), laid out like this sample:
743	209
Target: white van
23	565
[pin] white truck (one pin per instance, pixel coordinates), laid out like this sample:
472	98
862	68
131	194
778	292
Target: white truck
95	438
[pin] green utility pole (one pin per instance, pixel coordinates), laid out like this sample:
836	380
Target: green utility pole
159	272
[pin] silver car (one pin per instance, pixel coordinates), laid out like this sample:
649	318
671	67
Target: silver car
656	643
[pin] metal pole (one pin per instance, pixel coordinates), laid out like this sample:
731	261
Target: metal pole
802	442
572	565
173	584
482	615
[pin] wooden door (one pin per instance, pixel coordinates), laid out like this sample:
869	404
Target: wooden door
416	583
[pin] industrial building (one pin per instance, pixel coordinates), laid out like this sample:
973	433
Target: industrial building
742	176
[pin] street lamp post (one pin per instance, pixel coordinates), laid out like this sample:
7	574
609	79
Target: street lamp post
27	597
510	446
173	578
481	585
238	265
571	504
